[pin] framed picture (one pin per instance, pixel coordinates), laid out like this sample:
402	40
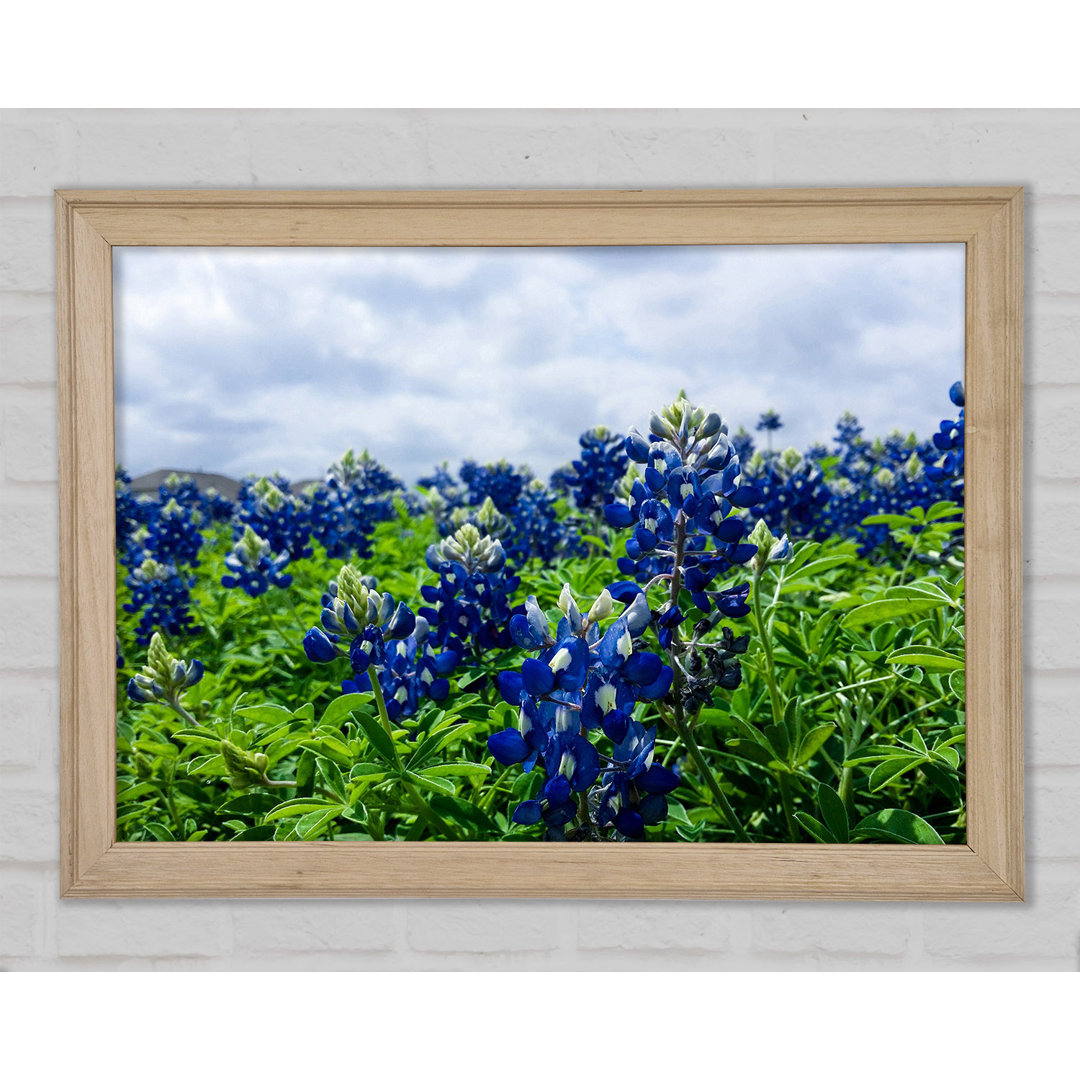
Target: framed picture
492	543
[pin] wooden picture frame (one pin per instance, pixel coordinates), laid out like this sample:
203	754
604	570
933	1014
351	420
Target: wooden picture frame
987	220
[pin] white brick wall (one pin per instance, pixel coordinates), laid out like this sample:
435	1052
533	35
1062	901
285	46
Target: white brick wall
45	149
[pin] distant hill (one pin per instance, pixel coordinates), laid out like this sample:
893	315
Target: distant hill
149	482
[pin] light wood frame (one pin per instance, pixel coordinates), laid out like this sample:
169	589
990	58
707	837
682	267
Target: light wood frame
987	220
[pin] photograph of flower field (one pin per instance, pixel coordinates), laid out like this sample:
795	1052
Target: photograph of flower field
604	545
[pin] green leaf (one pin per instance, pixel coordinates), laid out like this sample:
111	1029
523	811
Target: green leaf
799	579
458	768
926	656
439	740
813	741
256	832
338	709
463	812
956	684
381	743
948	756
815	828
136	792
255	802
331	777
296	807
777	735
159	832
833	813
312	826
432	783
890	769
677	813
899	825
880	610
367	770
265	714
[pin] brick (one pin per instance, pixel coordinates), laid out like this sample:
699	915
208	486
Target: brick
465	151
29	825
1050	719
1052	810
1052	354
1042	156
28	436
821	150
148	928
1047	924
29	534
29	721
28	346
1052	253
27	256
482	926
21	914
629	925
1052	625
38	152
630	156
1053	432
169	148
1054	516
30	628
859	928
366	148
318	926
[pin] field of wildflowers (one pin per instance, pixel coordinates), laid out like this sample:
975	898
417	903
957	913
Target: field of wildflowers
685	634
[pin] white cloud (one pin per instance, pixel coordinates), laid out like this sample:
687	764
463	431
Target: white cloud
239	360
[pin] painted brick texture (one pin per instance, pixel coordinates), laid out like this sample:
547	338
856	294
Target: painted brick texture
45	149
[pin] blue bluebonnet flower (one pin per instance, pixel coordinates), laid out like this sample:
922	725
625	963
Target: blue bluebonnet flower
592	478
358	493
535	531
410	671
500	482
769	421
690	494
216	506
583	681
268	506
129	513
163	677
742	442
163	595
173	534
254	567
633	786
377	635
949	441
469	609
793	492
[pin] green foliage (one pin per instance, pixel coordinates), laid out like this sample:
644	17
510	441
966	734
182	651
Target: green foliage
848	726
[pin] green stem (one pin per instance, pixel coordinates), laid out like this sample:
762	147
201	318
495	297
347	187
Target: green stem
419	805
842	689
710	780
775	697
789	813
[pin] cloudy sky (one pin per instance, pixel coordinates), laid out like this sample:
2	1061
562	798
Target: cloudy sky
247	360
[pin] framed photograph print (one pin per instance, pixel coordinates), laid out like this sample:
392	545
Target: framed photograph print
493	543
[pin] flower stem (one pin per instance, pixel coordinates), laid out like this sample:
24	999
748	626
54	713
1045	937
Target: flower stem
678	716
422	809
